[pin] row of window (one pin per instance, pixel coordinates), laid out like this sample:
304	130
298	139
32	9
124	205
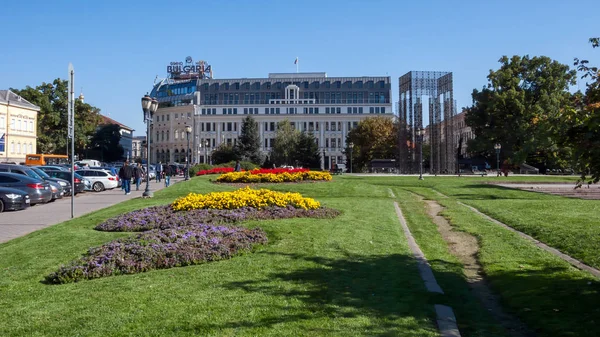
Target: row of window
290	111
19	148
309	97
17	124
304	85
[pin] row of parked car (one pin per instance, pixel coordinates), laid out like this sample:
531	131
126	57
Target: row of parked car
23	186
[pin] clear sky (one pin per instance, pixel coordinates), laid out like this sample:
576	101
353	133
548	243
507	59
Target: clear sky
118	47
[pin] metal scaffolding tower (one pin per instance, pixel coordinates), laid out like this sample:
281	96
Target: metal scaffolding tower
439	133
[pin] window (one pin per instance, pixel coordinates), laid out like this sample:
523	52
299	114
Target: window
382	109
167	135
168	118
354	110
371	110
326	110
235	111
176	134
349	110
18	148
12	123
224	111
360	110
245	111
31	126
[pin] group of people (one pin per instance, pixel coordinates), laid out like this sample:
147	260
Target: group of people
136	172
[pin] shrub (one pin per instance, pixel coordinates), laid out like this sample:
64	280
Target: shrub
244	197
159	249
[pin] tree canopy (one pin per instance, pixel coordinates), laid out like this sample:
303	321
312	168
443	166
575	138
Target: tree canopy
373	138
306	153
52	121
582	123
248	145
520	109
105	143
284	145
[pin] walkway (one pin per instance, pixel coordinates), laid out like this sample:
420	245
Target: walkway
20	223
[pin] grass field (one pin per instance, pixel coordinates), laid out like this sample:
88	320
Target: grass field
352	275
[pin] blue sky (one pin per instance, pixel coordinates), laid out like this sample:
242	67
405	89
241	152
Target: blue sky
119	47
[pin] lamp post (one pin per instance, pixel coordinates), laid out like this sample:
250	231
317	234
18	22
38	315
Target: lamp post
188	130
351	145
497	147
323	158
207	143
420	141
149	106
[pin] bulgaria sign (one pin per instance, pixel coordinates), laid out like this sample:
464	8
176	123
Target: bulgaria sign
186	67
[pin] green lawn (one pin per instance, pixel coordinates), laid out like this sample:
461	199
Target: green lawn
348	276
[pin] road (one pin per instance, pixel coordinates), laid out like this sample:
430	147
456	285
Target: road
17	224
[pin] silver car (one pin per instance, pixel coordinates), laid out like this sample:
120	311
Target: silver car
38	190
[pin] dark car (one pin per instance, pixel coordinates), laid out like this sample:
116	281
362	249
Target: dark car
39	191
56	188
66	185
79	184
12	199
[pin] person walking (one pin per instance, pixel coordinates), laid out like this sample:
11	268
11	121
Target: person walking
159	171
238	166
137	176
125	174
167	173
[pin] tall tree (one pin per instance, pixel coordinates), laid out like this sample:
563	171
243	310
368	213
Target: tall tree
373	138
52	119
286	139
307	152
224	154
105	143
248	145
520	108
581	124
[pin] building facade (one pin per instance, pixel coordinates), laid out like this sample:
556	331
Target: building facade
126	135
18	127
329	107
138	147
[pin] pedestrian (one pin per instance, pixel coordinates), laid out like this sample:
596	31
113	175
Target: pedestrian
167	173
238	166
125	174
137	176
159	172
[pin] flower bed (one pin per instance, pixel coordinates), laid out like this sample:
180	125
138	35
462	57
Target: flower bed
163	217
159	249
244	197
249	177
216	170
278	170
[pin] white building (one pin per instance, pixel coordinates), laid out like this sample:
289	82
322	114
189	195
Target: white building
328	106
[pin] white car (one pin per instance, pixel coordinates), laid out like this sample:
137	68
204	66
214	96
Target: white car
100	179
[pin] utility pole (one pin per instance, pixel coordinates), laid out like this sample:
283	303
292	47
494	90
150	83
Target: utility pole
71	122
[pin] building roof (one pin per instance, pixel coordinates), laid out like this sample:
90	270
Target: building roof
104	120
9	97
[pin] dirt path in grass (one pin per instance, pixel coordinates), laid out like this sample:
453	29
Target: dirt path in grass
465	247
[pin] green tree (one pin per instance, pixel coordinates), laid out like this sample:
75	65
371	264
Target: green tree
520	108
248	145
286	139
581	124
373	138
306	152
52	119
105	143
224	154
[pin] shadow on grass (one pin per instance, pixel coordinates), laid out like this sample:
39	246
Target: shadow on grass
383	288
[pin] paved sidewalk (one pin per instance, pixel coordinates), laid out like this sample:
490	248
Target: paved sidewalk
17	224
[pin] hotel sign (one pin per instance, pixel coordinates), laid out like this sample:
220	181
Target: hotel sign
185	67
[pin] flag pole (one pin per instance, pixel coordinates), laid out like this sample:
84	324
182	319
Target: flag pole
297	64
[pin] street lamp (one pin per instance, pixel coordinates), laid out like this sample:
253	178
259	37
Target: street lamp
207	143
497	147
188	130
351	145
149	106
420	133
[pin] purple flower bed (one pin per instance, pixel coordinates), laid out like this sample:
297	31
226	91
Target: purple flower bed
162	217
174	239
159	249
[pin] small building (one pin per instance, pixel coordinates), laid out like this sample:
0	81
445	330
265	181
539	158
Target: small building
138	148
126	135
18	127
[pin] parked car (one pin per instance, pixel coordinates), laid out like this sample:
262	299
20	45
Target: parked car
79	183
100	179
52	167
39	191
66	185
56	188
12	199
